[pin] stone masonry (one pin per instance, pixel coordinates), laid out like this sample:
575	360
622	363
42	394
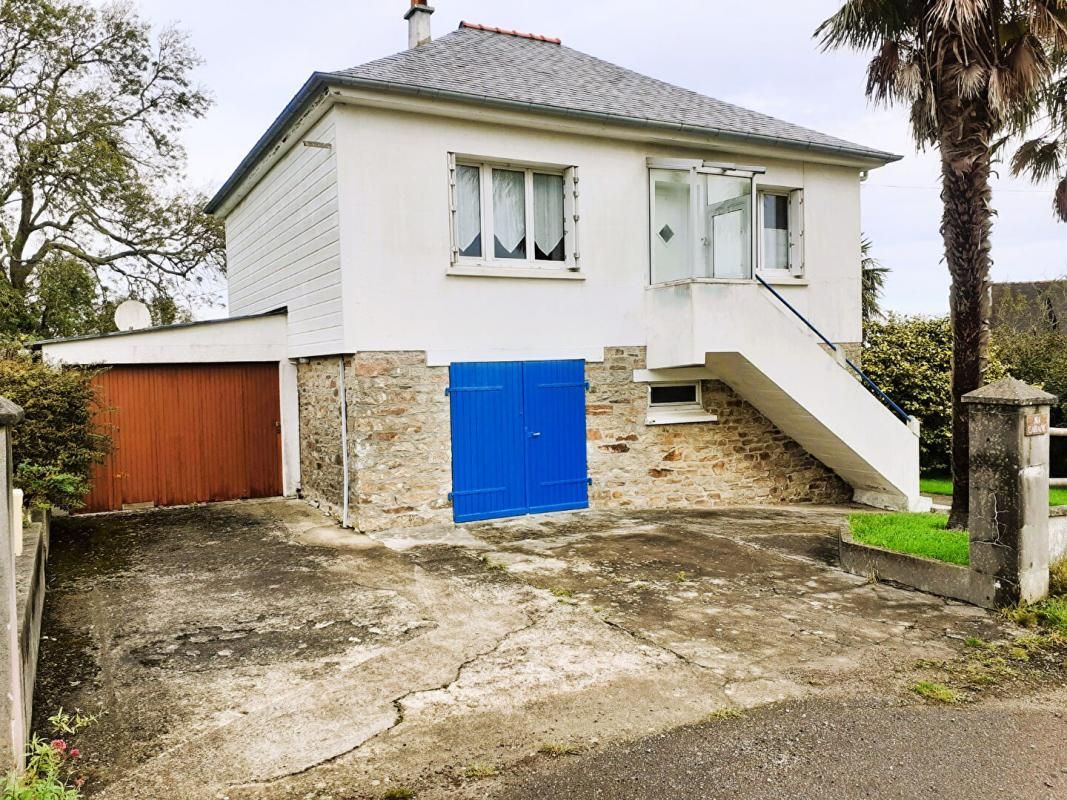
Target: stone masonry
321	460
400	460
401	440
740	459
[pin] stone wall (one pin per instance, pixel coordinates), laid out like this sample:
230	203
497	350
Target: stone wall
400	434
321	460
740	459
400	460
30	583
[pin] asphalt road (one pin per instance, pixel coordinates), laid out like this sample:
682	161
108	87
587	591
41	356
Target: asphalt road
823	750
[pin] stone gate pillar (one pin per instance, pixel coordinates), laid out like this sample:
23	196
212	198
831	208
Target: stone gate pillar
1008	513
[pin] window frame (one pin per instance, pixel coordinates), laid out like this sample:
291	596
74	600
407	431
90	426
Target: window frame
794	267
488	261
698	214
696	403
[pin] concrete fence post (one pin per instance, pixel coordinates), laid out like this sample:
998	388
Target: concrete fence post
12	722
1009	467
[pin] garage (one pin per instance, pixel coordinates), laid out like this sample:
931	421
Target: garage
197	412
188	433
518	438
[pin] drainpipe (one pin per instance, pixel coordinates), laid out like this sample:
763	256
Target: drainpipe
344	438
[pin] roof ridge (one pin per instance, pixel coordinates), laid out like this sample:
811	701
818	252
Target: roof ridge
537	37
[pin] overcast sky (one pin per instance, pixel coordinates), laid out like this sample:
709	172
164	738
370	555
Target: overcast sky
759	54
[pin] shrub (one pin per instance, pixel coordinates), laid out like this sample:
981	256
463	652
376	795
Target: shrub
57	443
1039	356
911	359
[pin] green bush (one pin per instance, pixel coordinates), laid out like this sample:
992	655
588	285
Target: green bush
57	443
1039	357
911	359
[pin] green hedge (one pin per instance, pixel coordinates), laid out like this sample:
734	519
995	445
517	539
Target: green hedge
911	359
56	445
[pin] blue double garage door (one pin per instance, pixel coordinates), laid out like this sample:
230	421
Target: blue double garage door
518	438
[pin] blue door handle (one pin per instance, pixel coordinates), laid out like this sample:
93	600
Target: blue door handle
534	434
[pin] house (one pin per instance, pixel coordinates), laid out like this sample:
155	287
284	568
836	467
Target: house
501	276
1029	305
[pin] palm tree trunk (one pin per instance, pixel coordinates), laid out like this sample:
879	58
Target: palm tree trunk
966	226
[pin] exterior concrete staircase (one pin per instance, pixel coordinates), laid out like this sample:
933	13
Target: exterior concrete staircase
751	340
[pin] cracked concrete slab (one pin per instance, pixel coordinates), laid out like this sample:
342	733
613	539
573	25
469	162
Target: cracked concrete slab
255	650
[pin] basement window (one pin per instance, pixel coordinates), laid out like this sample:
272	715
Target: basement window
513	215
673	395
674	403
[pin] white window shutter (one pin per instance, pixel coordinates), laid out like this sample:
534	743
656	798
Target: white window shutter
796	232
452	207
572	212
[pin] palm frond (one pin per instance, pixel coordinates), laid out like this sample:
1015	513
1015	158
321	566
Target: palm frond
873	275
1028	64
911	76
923	118
883	74
963	16
865	24
1048	21
1040	158
972	79
1060	202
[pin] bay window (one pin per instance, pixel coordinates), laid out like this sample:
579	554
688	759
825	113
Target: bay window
514	215
709	221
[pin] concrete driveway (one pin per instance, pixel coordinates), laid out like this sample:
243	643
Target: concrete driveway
256	650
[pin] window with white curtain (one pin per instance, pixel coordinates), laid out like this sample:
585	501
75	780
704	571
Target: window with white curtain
469	211
514	215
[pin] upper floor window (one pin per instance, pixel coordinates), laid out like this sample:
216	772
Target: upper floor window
781	230
513	215
709	221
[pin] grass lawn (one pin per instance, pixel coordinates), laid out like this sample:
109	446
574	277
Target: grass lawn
1056	497
919	534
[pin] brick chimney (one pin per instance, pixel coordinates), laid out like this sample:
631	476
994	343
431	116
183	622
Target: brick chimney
418	18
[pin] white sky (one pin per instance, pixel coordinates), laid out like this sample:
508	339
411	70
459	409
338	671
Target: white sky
758	54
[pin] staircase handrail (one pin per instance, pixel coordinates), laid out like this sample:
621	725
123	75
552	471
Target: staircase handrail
864	378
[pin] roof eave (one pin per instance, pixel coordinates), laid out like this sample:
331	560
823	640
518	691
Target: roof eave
275	133
864	153
322	80
177	326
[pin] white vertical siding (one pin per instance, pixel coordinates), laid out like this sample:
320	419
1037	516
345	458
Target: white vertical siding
283	246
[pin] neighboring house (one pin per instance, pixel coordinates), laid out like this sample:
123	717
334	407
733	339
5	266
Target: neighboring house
1029	306
517	278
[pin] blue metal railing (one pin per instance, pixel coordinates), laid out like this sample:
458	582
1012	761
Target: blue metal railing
870	384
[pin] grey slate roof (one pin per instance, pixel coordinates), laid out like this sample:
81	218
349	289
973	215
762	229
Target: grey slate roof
518	72
494	66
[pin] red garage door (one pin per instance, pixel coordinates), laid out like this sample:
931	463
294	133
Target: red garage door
188	433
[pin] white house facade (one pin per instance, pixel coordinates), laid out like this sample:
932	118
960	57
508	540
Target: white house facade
516	279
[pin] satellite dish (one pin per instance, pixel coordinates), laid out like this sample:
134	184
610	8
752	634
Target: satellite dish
132	315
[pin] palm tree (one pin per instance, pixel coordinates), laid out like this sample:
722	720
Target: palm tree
874	275
976	75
